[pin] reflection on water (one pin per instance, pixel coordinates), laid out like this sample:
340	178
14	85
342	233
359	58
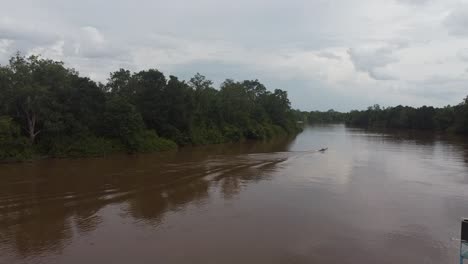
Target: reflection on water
393	197
44	204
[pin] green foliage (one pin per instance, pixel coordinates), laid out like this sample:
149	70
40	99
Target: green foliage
122	121
444	118
232	133
196	113
148	141
204	135
80	147
13	146
330	116
62	114
449	118
461	117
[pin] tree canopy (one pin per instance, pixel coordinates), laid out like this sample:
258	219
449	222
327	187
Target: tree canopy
449	118
452	119
50	110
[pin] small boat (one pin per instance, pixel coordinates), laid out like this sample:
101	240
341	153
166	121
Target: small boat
323	149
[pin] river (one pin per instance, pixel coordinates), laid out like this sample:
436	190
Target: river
370	198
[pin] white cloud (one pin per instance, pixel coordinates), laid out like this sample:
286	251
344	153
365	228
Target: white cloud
91	43
93	35
54	51
4	45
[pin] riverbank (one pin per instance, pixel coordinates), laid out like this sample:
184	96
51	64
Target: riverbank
48	110
101	147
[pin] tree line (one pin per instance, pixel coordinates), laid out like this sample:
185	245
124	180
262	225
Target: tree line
330	116
47	109
452	119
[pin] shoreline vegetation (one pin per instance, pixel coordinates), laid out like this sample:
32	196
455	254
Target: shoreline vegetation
48	110
448	119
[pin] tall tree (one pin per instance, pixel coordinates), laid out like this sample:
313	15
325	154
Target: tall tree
32	80
150	101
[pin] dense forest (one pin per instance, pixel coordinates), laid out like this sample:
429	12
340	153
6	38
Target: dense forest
49	110
453	119
330	116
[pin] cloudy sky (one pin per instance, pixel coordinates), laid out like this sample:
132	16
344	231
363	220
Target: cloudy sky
339	54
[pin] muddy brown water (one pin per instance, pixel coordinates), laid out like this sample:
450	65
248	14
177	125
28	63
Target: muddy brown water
372	197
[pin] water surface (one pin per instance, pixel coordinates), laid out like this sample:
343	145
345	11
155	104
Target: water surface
371	198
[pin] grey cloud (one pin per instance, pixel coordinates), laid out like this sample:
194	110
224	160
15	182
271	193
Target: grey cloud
463	54
381	76
83	42
372	61
328	55
249	39
457	21
22	33
413	2
437	80
24	38
91	43
440	88
216	71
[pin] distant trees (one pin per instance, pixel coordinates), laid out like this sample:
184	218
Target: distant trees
453	119
449	118
461	117
330	116
48	109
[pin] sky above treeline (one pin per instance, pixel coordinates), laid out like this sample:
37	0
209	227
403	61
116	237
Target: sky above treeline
338	54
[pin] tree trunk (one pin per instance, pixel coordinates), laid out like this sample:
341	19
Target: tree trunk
32	127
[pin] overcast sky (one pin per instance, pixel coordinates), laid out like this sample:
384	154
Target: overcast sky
339	54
